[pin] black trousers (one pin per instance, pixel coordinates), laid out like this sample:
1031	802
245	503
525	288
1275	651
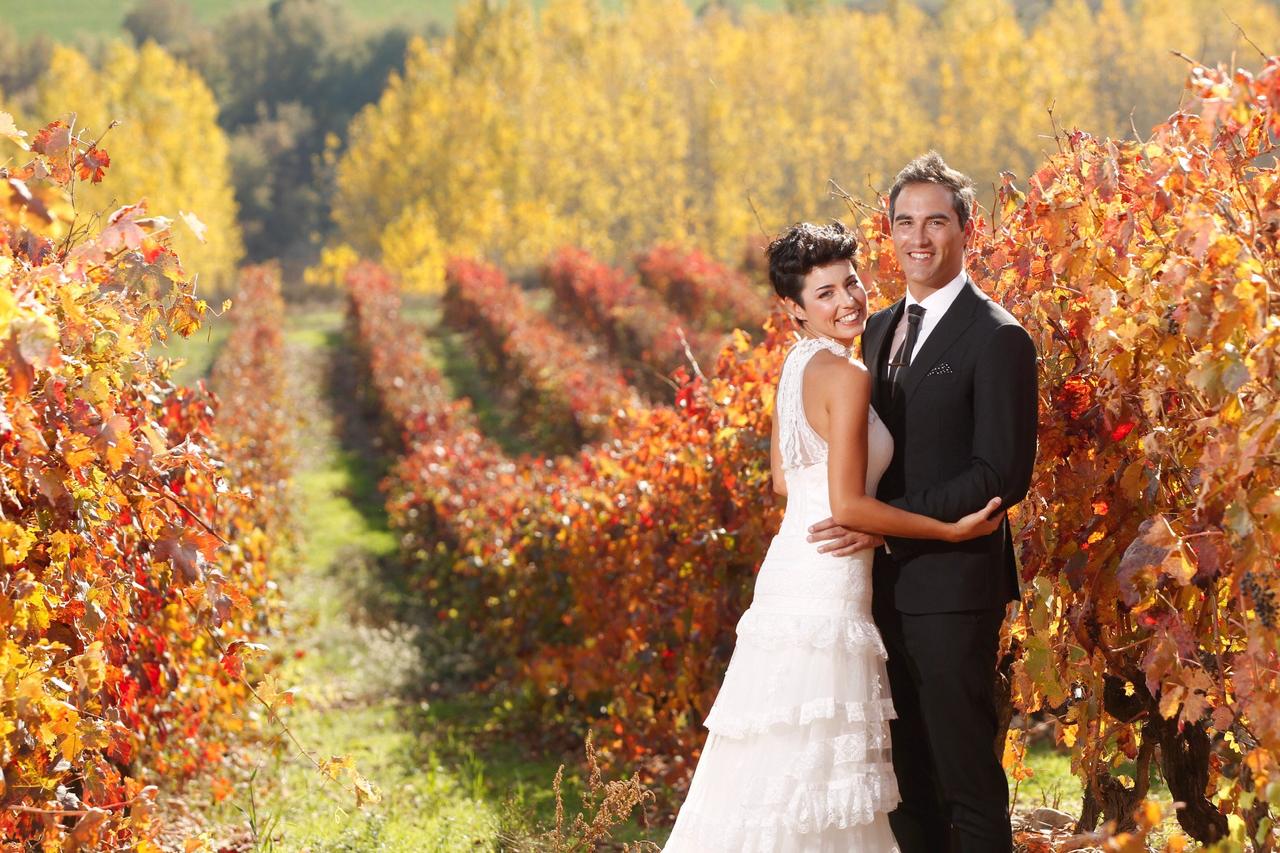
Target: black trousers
955	797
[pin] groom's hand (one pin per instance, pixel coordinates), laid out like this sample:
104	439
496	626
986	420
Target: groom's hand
841	541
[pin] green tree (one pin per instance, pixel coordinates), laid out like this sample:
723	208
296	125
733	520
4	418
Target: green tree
168	23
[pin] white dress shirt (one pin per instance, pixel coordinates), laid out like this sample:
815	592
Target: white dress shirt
935	305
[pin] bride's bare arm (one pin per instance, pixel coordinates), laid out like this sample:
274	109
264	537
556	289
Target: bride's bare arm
843	389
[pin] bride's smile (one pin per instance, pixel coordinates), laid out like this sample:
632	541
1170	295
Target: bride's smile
832	304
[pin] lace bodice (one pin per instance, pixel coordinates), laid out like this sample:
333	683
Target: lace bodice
799	444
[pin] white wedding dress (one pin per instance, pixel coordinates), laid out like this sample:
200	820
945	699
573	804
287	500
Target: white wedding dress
797	756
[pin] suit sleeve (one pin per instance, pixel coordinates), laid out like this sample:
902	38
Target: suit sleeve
1005	402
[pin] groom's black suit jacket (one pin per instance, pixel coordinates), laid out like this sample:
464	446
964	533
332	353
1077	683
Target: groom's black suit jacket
964	431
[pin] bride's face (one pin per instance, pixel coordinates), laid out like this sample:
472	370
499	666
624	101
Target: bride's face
833	303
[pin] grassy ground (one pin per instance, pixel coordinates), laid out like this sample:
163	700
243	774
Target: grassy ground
450	777
1054	785
353	665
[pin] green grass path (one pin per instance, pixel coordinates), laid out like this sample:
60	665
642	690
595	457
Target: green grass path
355	661
449	778
348	661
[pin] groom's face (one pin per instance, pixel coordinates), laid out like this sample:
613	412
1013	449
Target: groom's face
927	236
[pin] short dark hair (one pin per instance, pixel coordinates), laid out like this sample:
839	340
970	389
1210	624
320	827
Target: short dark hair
932	169
803	247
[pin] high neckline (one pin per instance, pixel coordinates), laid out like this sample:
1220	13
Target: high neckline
831	345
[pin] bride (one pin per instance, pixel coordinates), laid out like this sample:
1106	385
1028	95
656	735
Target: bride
797	755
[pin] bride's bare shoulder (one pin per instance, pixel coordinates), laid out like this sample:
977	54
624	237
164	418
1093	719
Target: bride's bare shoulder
829	371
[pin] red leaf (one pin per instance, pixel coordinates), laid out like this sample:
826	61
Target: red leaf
92	165
1121	431
232	663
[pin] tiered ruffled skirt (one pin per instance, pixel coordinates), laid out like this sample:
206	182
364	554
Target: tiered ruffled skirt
797	757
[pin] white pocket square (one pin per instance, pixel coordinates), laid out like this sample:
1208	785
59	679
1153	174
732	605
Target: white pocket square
943	369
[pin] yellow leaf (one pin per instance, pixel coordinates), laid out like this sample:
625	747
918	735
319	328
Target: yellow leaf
10	130
1171	699
333	766
77	452
61	543
16	541
91	668
366	792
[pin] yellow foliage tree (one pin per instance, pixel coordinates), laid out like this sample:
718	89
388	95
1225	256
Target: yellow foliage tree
613	129
1066	78
330	271
167	147
411	248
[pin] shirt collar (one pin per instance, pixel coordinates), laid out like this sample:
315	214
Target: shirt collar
937	303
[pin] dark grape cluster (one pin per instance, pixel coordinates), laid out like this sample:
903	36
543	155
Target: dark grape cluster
1209	661
1264	602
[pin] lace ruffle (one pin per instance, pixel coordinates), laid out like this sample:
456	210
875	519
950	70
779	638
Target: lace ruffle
779	809
766	630
848	802
730	725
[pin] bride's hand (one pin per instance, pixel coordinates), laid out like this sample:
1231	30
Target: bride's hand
977	524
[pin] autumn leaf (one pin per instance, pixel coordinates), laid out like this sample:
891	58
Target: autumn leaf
197	227
334	766
123	233
185	316
21	196
235	655
366	792
91	668
52	139
10	131
188	550
91	165
221	787
268	690
114	441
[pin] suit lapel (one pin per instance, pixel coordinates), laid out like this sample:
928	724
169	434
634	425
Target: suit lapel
874	346
952	325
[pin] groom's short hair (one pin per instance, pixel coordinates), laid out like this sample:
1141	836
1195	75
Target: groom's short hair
932	169
804	247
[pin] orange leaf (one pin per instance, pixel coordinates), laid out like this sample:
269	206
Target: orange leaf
92	165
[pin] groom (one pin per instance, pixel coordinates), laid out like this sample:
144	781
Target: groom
955	381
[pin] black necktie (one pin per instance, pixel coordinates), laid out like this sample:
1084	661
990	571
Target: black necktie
902	358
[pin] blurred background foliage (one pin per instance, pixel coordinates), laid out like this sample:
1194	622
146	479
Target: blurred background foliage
709	124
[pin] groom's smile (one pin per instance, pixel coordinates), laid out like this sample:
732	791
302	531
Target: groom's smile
928	237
